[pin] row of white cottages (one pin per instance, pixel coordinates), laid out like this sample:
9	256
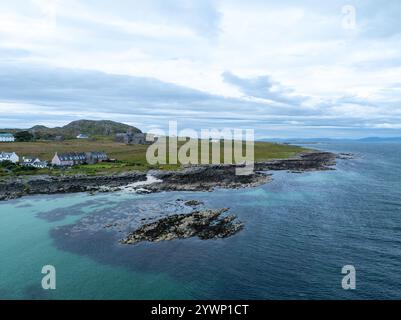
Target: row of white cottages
64	159
7	137
26	161
74	158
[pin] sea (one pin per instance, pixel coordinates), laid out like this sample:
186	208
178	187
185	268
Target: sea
300	230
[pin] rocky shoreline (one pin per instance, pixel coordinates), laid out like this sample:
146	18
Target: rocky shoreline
17	187
193	178
311	161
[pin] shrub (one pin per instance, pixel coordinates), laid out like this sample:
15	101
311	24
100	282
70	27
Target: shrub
23	136
7	165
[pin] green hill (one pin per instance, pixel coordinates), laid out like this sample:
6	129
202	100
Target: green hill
88	127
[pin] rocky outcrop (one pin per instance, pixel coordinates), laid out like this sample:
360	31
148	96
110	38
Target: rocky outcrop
205	178
304	162
193	203
206	224
346	156
17	187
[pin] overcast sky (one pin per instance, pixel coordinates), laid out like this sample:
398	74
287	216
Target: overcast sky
285	68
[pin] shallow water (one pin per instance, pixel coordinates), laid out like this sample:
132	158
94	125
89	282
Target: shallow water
299	231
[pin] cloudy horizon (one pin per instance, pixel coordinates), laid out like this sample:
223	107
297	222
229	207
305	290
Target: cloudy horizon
288	69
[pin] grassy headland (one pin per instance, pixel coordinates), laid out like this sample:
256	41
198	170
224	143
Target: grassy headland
129	157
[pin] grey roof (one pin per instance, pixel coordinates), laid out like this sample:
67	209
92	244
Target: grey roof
97	154
9	135
6	154
72	156
29	158
81	156
41	163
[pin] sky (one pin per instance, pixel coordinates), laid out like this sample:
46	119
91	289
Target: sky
283	68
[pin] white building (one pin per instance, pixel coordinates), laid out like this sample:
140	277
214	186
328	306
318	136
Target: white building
82	136
69	159
34	162
40	164
9	156
6	137
26	161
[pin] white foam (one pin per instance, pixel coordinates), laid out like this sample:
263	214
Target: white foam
138	186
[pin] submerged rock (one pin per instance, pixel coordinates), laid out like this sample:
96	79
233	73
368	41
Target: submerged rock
193	203
205	224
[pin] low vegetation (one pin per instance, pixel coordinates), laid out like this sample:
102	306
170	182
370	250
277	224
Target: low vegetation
8	168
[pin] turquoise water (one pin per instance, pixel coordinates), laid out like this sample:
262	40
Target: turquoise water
299	232
26	246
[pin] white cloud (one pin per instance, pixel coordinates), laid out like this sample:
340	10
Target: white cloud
298	44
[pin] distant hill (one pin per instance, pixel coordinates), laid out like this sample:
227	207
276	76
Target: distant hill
89	127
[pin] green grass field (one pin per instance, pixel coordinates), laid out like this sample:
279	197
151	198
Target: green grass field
130	157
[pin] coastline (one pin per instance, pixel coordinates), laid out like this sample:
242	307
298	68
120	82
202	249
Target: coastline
192	178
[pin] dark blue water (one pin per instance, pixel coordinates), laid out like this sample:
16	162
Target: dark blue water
300	230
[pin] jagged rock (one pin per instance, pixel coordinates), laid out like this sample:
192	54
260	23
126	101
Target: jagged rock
205	178
193	203
206	224
17	187
304	162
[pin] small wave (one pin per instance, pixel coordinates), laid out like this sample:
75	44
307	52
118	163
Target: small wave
138	186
